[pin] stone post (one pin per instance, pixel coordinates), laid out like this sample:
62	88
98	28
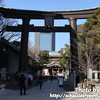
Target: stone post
81	85
3	73
24	46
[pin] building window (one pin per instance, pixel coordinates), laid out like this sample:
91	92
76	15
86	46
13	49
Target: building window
93	75
98	75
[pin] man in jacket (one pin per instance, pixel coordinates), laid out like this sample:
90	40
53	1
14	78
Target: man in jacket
40	80
22	84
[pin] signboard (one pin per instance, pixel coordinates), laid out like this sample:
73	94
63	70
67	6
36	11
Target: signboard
49	21
60	81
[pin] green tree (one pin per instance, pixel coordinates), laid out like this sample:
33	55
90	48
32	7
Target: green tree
65	56
35	66
89	43
43	57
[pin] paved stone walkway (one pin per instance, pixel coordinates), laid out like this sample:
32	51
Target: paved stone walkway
48	89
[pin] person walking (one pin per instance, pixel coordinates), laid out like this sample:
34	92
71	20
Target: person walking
37	80
22	84
30	78
40	80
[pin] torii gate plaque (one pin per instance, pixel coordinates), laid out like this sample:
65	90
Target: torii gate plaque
49	21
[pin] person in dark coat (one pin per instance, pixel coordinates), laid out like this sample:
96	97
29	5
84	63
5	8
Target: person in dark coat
40	81
22	84
77	80
29	82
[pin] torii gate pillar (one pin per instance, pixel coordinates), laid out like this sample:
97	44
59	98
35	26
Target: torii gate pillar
24	45
73	43
74	51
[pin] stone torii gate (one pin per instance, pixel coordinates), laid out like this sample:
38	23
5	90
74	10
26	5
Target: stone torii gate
25	28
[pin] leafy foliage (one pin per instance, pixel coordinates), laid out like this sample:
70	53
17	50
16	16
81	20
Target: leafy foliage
65	56
35	66
43	57
89	43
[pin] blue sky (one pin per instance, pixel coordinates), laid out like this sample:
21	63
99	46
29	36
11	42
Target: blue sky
61	38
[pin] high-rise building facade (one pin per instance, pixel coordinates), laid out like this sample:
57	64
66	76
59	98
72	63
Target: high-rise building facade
45	41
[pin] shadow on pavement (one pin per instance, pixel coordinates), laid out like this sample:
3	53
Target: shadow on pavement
67	87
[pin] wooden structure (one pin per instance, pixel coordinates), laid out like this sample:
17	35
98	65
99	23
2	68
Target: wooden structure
53	66
25	28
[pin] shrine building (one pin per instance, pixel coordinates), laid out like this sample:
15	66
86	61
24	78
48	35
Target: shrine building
54	66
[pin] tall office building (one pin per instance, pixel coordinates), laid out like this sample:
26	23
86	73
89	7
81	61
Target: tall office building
45	41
